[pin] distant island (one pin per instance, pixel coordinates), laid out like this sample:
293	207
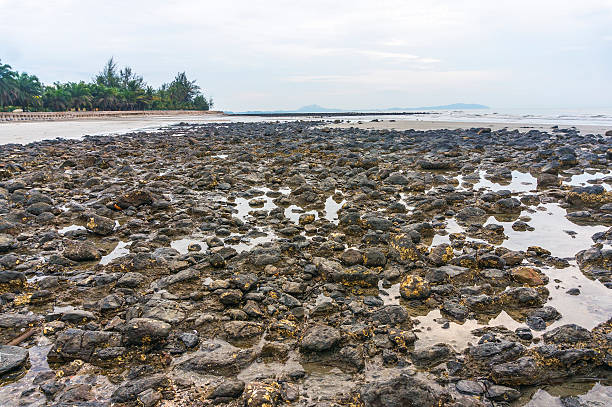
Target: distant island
321	109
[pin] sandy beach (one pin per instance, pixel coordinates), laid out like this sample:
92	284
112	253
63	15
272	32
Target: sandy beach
31	131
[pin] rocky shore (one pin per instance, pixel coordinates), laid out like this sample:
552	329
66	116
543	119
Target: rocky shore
271	264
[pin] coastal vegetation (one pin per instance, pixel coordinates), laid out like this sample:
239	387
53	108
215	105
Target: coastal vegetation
111	89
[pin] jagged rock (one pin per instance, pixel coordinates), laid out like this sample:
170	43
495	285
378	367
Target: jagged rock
402	391
320	338
130	390
146	331
82	251
81	344
100	225
217	358
432	355
414	288
134	198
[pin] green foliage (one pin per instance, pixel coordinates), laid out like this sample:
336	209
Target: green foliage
111	89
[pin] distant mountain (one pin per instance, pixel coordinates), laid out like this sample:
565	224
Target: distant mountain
317	109
320	109
454	106
303	109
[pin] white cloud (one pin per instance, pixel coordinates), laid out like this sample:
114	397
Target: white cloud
403	78
254	53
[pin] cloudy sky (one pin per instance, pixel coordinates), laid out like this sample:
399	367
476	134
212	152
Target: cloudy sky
347	54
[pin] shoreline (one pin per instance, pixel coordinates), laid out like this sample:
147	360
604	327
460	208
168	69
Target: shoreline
10	117
329	114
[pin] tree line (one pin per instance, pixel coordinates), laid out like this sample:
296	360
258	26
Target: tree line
111	89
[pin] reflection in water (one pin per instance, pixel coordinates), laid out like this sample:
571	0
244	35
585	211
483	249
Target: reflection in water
247	243
119	251
293	213
458	335
12	394
584	178
243	205
592	307
573	392
551	229
451	227
331	209
70	228
182	245
550	232
521	182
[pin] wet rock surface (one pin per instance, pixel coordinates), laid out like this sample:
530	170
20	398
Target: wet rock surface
269	264
11	358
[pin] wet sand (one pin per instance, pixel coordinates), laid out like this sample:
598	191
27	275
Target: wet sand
28	132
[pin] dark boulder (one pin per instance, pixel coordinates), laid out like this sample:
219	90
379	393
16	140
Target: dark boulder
402	391
320	338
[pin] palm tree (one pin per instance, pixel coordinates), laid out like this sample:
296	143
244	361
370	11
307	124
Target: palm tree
8	86
80	95
107	98
56	98
28	90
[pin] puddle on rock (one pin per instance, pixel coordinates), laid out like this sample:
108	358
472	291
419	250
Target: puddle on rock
70	228
451	227
588	309
521	182
247	243
391	295
457	335
182	245
119	251
17	393
244	205
331	209
582	180
551	229
293	213
325	383
550	232
572	392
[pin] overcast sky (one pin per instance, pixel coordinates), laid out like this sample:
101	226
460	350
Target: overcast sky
347	54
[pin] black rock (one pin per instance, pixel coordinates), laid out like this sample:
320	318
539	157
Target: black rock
402	391
319	338
524	333
536	323
470	387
